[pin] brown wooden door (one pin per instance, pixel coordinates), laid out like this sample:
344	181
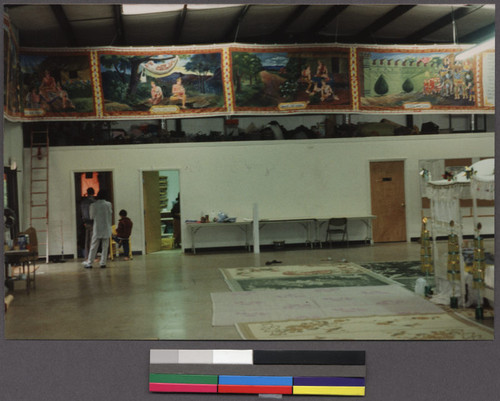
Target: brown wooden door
152	215
388	201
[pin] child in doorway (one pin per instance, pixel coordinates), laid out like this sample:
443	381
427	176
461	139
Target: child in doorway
123	232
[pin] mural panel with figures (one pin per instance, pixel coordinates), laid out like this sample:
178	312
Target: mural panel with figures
420	80
238	79
161	83
56	85
288	79
11	81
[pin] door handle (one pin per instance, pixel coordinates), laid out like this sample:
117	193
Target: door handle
403	204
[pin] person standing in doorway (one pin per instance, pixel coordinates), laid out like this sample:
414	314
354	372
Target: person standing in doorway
176	214
100	213
87	221
123	232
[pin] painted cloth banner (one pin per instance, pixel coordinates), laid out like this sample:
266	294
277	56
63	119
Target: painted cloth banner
12	79
169	81
423	79
290	79
237	79
57	85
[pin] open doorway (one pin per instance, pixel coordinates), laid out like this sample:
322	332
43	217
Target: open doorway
10	203
161	193
97	180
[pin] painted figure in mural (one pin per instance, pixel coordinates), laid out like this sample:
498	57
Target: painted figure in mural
455	79
48	87
468	81
66	102
326	91
447	76
178	92
322	71
156	93
305	77
458	81
33	100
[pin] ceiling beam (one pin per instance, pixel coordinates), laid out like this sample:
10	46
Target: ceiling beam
232	33
478	35
327	18
382	21
64	23
294	15
179	26
119	39
438	24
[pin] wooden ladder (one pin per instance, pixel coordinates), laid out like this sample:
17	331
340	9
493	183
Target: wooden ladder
39	189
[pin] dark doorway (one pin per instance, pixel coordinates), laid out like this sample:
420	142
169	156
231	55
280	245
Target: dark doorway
10	201
161	190
98	180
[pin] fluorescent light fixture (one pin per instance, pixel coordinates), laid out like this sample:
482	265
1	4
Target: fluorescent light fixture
137	9
481	47
209	6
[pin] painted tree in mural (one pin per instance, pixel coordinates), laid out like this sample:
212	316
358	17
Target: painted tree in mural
245	65
410	60
436	61
126	69
204	65
292	72
408	85
381	87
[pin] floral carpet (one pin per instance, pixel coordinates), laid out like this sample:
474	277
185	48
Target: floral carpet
338	302
440	326
279	277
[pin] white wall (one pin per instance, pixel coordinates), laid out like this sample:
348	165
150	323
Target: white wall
285	178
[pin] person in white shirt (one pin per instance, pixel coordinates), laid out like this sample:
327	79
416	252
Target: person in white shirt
100	213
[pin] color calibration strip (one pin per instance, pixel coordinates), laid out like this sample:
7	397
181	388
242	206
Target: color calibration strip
257	357
339	373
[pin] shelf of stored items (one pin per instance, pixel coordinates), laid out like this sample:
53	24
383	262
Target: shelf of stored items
167	225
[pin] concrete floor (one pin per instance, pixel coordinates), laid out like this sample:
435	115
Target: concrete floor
165	295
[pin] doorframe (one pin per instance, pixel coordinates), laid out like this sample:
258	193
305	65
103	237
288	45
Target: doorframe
74	228
406	186
141	191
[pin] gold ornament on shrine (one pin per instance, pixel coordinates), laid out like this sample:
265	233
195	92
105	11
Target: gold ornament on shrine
425	249
453	255
478	264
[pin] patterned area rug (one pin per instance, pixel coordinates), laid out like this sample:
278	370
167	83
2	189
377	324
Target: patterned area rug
302	277
443	326
404	272
271	305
